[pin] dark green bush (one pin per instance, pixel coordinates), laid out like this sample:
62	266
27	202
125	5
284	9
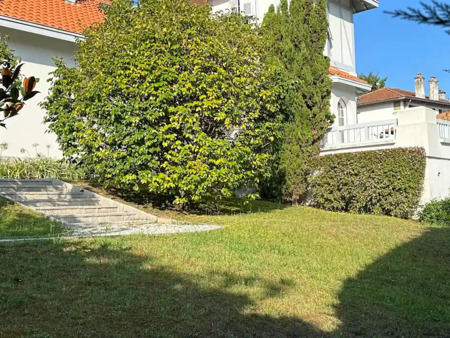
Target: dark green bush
436	212
384	182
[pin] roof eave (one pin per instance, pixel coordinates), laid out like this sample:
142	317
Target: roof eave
364	5
361	87
412	98
34	28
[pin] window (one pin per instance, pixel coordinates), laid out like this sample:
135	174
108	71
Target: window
342	112
397	105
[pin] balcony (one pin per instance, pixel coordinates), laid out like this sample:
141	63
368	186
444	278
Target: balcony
361	135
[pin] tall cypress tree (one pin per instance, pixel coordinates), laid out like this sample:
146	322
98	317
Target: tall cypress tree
297	34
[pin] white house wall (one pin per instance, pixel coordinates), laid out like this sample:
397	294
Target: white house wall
342	51
347	94
385	111
28	129
378	112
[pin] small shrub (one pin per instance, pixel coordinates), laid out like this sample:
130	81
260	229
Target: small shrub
436	212
39	167
385	182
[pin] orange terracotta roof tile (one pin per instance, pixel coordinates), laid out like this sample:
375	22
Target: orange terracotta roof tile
336	71
58	14
444	116
390	94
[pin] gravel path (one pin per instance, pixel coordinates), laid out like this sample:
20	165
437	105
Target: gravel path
110	231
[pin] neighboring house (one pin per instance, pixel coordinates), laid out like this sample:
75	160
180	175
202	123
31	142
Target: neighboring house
385	103
40	30
395	118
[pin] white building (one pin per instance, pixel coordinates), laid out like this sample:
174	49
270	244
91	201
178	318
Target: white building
395	118
385	103
40	30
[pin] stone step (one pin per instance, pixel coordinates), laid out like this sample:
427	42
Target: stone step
24	183
27	196
82	211
97	217
77	210
32	188
78	202
115	224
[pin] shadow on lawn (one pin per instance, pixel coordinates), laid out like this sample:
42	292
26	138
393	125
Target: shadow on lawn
94	289
224	207
16	221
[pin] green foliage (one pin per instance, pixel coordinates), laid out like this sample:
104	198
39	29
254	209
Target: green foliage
167	99
13	93
297	33
39	167
385	182
6	54
374	79
436	212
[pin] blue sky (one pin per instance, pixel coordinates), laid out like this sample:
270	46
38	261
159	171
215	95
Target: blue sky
399	49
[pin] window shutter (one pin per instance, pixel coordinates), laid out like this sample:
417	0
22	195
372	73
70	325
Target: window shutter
248	7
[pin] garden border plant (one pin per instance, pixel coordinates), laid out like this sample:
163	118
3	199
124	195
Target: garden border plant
383	182
436	212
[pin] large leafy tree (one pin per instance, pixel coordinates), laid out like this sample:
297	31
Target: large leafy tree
297	33
167	99
374	79
13	92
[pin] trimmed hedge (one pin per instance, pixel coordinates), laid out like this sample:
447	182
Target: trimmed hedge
383	182
436	212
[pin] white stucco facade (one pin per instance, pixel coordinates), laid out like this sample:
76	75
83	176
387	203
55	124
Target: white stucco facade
27	131
389	110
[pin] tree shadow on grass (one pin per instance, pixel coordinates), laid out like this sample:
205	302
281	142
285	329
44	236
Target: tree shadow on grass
405	293
101	289
228	206
72	289
16	221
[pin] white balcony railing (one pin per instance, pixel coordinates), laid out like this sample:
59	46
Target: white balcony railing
379	131
444	129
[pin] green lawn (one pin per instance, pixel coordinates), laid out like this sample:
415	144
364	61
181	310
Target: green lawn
284	272
16	221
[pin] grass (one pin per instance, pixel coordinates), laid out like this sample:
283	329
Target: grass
16	221
280	272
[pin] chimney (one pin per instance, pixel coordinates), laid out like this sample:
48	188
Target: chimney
434	89
420	86
442	95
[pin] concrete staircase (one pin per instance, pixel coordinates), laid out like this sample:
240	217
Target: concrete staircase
82	211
